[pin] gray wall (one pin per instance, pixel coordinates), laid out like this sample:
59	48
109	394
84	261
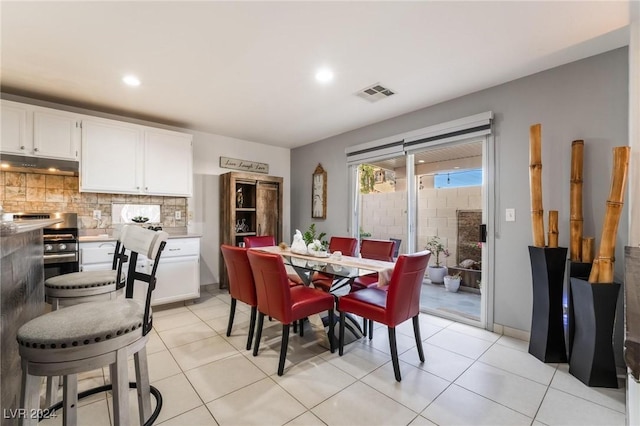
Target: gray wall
586	100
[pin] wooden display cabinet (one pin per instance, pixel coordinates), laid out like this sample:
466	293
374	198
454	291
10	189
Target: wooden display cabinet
251	204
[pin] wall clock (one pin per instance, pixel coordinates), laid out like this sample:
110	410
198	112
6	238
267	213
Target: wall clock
319	194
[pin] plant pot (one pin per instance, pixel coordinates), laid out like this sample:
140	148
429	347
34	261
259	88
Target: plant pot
576	270
592	360
547	328
451	284
437	273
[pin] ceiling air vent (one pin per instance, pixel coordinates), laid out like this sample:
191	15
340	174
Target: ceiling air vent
374	93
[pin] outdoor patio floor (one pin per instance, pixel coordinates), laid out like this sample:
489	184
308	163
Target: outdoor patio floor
435	298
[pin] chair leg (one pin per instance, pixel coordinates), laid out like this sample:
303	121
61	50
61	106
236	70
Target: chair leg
120	389
232	314
394	352
256	345
70	399
295	326
416	333
370	329
364	327
301	324
142	384
252	326
341	336
53	383
30	397
332	345
283	348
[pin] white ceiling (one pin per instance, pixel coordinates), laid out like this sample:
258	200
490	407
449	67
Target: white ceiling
246	69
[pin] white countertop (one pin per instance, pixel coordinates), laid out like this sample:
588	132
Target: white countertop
106	237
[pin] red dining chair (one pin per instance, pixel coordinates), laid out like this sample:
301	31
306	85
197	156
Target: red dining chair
348	247
285	303
391	307
241	285
261	241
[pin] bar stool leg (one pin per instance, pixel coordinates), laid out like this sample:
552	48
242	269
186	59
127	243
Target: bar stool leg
53	383
70	399
142	385
120	388
30	397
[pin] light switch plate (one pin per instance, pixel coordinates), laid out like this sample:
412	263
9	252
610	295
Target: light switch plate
97	214
510	215
178	214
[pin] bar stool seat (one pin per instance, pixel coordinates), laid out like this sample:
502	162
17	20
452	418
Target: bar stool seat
90	335
83	284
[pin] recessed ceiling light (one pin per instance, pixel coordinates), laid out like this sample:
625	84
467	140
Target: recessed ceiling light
131	80
324	75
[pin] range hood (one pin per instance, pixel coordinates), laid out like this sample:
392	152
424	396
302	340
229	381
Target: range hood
51	166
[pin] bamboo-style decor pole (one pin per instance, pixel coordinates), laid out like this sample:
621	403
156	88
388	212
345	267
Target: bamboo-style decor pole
535	183
602	270
576	221
588	244
553	228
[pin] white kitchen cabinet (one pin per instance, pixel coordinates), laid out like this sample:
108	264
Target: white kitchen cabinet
125	158
178	274
39	132
111	157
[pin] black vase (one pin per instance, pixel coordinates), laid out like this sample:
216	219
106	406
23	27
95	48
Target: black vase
547	327
592	360
576	270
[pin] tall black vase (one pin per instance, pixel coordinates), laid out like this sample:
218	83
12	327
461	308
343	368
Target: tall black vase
547	328
576	270
592	360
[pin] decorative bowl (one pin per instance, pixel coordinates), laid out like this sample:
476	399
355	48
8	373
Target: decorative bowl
139	219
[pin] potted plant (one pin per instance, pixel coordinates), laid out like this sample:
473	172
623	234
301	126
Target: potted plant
437	271
452	282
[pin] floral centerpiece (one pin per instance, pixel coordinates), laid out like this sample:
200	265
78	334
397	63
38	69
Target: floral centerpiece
437	248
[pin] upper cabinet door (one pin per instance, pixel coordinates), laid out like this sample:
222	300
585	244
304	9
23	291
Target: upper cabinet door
111	157
168	168
55	134
14	129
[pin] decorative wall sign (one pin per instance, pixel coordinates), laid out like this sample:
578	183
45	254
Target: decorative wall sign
319	194
244	165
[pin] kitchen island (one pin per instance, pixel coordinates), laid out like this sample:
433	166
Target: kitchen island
22	299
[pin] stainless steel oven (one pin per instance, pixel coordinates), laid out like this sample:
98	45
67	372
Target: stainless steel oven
60	242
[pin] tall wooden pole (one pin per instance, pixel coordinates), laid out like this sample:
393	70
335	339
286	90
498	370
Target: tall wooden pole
553	228
587	249
602	270
576	221
535	183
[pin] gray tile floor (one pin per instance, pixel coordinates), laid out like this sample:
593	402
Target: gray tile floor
470	377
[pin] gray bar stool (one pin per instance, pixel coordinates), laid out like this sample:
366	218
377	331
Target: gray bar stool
82	287
90	335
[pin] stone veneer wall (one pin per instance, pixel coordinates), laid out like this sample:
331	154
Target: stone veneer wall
384	215
33	192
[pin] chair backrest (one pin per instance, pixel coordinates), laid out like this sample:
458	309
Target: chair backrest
138	240
396	246
262	241
403	297
272	285
347	246
377	250
241	284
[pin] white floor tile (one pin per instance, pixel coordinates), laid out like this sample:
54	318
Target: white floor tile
458	406
155	343
313	381
510	390
474	331
513	343
93	414
306	419
262	403
421	421
180	319
187	334
438	361
219	378
611	398
520	363
197	417
462	344
220	323
416	390
358	360
178	396
380	341
559	408
166	310
161	365
377	409
202	352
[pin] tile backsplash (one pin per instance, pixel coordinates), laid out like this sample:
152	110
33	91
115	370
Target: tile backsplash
33	192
